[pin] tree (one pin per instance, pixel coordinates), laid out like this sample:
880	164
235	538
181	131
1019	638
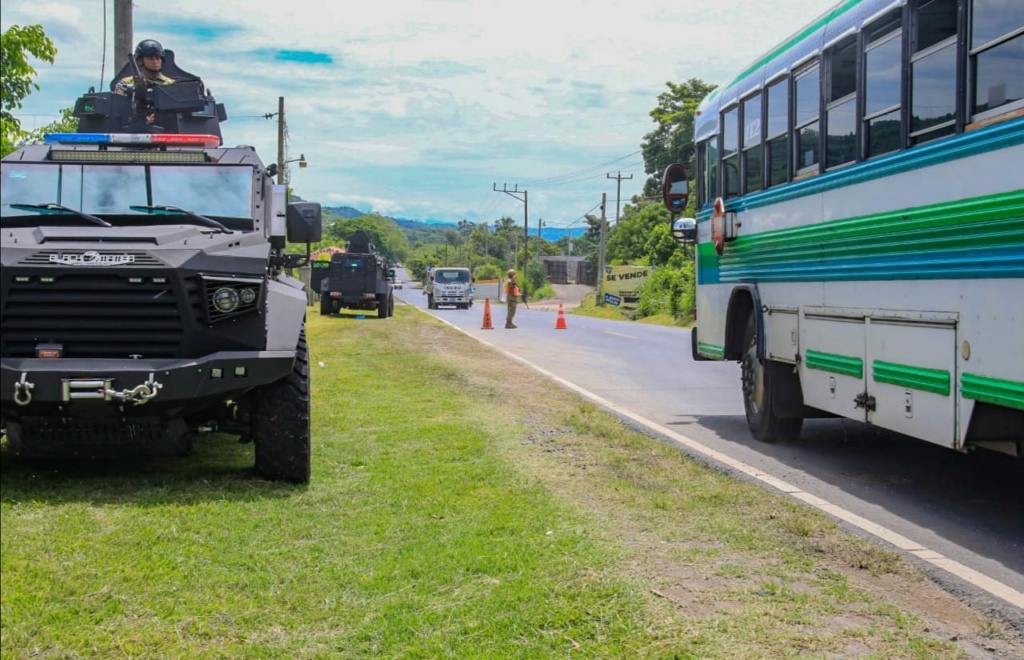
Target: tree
642	236
672	141
16	76
384	233
67	123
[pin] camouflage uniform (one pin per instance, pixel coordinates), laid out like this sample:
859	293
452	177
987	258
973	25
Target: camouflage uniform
511	299
127	84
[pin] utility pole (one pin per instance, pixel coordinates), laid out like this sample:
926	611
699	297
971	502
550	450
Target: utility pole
281	178
540	230
600	254
515	192
618	191
123	46
281	131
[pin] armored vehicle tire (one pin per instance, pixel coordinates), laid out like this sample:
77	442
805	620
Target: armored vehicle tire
382	308
759	390
391	304
325	305
281	423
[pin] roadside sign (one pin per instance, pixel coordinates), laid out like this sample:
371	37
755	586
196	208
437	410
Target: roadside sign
612	300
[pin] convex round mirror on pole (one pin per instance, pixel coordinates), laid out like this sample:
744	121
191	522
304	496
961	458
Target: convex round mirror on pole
675	188
684	230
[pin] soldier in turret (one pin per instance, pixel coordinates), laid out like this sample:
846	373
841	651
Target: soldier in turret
149	59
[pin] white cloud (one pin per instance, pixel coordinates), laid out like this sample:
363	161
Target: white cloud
427	103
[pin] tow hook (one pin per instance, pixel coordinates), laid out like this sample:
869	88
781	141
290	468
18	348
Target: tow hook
23	391
139	394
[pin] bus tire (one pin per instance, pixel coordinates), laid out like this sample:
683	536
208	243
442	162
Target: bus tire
759	391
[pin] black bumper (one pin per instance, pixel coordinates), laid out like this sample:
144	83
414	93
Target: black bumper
30	386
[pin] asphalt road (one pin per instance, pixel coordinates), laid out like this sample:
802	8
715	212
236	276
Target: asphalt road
960	517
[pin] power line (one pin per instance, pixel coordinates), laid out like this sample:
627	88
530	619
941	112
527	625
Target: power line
570	175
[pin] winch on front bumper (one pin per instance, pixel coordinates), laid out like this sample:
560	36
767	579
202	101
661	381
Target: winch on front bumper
93	387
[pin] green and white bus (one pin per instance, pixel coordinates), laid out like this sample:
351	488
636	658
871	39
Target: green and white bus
860	223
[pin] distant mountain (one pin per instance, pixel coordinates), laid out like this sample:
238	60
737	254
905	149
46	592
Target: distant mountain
345	211
431	226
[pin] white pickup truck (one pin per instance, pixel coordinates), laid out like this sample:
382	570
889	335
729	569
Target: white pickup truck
449	286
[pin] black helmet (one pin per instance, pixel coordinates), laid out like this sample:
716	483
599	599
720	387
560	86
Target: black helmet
149	47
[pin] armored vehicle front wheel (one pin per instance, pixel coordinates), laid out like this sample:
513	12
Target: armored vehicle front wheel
325	305
281	423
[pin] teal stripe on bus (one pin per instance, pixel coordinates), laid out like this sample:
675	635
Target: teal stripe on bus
982	237
974	143
823	20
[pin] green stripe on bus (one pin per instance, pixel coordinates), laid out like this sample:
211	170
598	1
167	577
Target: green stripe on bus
915	378
711	350
983	236
990	221
837	364
795	39
1001	392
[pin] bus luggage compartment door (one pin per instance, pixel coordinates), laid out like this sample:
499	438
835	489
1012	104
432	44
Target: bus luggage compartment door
911	366
832	362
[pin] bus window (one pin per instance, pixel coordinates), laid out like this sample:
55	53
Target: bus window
841	100
806	99
933	70
711	165
997	56
701	178
730	152
883	64
777	125
753	164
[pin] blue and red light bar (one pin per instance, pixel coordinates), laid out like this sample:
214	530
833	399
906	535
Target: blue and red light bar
134	139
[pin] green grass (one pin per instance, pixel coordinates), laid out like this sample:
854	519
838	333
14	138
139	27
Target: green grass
589	307
461	507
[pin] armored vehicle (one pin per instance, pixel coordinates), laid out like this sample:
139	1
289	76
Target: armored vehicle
145	295
357	279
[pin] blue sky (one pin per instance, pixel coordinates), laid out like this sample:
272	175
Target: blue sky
418	108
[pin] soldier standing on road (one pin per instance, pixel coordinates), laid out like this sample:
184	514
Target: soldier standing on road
512	297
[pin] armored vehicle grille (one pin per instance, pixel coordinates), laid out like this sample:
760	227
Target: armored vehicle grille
122	257
99	315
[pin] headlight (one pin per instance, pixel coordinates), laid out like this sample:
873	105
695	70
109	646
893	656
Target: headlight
226	299
248	296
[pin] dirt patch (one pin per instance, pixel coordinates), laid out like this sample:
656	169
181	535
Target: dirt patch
568	295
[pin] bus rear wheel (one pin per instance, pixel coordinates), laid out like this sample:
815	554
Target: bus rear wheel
760	389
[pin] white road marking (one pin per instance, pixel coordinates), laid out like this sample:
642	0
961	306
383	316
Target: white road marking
619	334
965	573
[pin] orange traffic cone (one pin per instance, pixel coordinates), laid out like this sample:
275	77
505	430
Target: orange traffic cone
487	315
560	323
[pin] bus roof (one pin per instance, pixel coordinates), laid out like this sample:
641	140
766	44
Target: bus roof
803	44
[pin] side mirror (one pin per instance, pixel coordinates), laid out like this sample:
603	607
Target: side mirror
304	222
675	189
684	230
